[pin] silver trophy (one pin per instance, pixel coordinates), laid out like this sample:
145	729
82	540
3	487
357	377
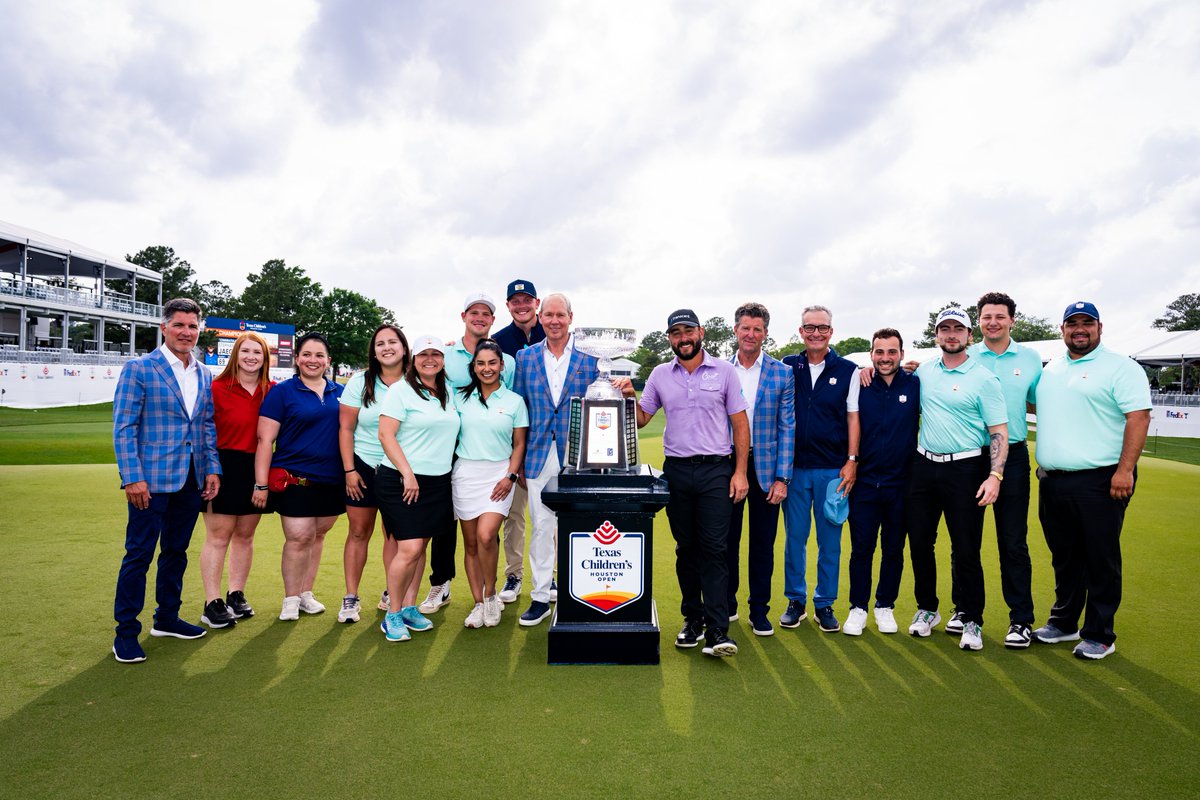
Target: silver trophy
603	422
605	344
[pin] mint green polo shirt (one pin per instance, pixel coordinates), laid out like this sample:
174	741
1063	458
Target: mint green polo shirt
1081	405
458	371
427	432
958	406
1018	369
366	432
486	433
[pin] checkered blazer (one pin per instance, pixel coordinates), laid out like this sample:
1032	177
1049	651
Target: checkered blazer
549	421
152	433
773	429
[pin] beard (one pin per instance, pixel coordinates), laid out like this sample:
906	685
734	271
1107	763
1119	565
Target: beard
692	350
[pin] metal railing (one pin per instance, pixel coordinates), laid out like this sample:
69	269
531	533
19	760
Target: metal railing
1174	399
9	354
74	297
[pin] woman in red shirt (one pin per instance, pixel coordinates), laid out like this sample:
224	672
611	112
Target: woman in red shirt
230	517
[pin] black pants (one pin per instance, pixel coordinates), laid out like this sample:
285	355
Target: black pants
760	556
699	511
876	513
442	549
936	489
1082	524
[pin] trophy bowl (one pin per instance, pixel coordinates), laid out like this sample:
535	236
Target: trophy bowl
605	344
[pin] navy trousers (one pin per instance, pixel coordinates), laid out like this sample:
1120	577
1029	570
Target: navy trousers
876	514
760	555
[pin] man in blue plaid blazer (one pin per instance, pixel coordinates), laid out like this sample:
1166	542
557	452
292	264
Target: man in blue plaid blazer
166	445
769	390
549	374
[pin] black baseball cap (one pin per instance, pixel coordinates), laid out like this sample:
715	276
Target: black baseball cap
520	286
684	316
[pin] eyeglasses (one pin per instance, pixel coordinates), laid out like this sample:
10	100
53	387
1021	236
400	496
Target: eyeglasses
816	328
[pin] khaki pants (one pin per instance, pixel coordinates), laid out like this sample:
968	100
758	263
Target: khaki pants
514	534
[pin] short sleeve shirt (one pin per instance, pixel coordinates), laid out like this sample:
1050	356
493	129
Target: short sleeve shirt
958	406
1018	369
1081	406
427	432
235	413
458	371
486	432
307	443
698	405
366	432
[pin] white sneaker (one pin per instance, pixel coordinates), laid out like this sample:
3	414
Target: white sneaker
954	626
350	609
438	596
553	591
972	637
491	611
885	620
923	622
511	590
854	624
310	604
475	618
385	601
291	609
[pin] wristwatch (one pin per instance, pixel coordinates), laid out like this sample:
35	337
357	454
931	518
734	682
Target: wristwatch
852	458
512	476
784	481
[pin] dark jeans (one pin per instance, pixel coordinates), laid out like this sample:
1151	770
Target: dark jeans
166	524
760	555
1082	524
876	513
442	549
936	489
699	511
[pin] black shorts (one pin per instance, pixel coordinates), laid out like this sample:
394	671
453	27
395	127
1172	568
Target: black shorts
237	485
313	500
432	514
367	473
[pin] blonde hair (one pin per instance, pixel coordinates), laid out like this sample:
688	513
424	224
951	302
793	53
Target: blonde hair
230	373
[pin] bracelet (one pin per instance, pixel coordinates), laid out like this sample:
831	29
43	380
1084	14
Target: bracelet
348	471
258	487
996	475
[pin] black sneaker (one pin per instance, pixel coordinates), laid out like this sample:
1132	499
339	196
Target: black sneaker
1018	637
793	614
689	635
955	626
217	615
826	621
717	643
236	601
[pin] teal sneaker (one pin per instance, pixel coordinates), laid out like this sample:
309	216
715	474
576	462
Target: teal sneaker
393	627
414	619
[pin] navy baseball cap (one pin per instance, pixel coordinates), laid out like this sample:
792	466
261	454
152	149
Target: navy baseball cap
520	286
684	316
1081	307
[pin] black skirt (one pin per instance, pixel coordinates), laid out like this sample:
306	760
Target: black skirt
313	500
432	514
367	473
237	485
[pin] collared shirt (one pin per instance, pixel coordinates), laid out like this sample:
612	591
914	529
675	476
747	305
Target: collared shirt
698	405
814	374
187	377
427	432
1081	406
366	431
557	368
958	406
307	443
235	412
487	431
749	377
890	416
513	340
458	369
1018	369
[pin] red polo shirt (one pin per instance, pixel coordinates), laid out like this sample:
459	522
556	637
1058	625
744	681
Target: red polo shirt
236	416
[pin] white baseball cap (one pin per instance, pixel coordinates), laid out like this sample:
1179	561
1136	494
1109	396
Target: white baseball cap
427	342
479	297
953	314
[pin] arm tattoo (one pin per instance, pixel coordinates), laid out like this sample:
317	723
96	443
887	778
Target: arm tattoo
997	464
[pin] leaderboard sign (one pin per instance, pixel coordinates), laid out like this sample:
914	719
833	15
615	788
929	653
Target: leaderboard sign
280	339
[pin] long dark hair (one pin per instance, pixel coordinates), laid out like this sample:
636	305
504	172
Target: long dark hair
475	384
439	383
375	369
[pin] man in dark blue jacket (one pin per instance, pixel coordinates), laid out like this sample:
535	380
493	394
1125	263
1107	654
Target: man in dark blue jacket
827	435
889	410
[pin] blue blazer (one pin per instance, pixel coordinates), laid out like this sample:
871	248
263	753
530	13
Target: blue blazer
773	429
549	421
153	435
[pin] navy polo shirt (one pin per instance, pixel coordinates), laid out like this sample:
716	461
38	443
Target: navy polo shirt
512	339
889	416
307	444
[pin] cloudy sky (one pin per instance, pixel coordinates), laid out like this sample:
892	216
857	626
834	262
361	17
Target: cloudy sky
879	158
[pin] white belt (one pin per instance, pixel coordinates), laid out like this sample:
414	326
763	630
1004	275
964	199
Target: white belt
944	457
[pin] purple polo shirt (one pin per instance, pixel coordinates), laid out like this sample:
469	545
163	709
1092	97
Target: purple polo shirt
698	405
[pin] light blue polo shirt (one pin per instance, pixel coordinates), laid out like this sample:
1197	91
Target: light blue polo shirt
366	432
486	433
458	371
1018	369
958	406
1082	405
427	433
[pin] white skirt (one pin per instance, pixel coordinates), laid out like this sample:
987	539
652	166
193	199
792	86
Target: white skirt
472	483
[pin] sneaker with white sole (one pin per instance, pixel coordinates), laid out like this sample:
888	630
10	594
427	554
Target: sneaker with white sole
954	626
350	610
393	627
438	596
511	590
972	636
855	622
491	611
1050	634
310	604
1018	637
475	618
553	591
924	622
385	601
291	608
885	620
1094	650
414	619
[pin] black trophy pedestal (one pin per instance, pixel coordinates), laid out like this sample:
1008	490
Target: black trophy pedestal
605	612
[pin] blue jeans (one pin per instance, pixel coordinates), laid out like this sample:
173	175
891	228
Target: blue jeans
804	501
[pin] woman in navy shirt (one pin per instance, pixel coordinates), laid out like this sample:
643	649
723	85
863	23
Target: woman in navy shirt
299	418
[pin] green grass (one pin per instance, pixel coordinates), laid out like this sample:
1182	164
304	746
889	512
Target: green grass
313	709
1174	448
71	435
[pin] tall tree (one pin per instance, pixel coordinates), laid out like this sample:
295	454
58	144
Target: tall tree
794	346
348	319
851	344
1033	329
279	293
718	337
178	277
1182	314
653	350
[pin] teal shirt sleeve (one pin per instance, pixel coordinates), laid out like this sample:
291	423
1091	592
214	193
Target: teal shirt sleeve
509	372
1131	389
393	403
352	393
991	402
521	414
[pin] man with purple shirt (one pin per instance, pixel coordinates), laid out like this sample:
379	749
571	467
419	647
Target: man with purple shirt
702	398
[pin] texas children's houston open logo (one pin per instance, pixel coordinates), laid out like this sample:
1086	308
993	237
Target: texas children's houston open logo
606	567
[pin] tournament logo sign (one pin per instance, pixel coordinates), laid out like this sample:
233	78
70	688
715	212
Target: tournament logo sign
606	567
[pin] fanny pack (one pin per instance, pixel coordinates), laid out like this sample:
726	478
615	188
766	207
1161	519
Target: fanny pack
278	479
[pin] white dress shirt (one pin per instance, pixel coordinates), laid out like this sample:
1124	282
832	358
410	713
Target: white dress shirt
556	368
187	377
749	377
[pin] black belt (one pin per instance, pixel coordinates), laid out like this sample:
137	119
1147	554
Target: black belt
698	459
